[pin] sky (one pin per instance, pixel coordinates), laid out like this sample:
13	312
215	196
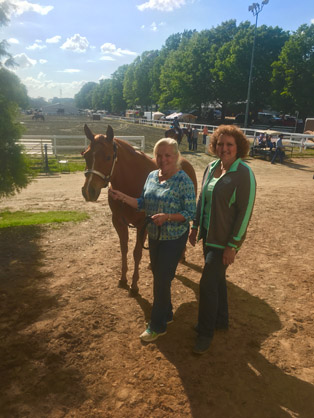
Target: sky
61	44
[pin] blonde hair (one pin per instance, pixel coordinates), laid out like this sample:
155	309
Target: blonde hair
173	143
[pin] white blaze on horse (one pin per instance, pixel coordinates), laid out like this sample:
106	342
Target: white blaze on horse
112	160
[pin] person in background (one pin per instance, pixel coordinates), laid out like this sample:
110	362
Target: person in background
223	213
205	134
279	152
269	142
189	136
168	198
194	138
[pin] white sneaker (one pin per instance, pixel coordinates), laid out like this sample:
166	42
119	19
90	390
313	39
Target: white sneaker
148	335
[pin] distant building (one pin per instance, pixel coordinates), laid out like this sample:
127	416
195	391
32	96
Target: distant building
60	109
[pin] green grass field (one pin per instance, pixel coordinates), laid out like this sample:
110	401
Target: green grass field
21	218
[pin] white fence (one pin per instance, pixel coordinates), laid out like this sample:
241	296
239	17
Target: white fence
302	141
56	144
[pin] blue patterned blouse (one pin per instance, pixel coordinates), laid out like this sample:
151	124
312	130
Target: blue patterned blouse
175	195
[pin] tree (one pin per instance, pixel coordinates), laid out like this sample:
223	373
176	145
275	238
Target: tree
101	96
14	170
186	78
5	8
293	73
83	99
117	102
232	64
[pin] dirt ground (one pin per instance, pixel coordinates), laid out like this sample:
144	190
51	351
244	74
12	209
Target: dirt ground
70	342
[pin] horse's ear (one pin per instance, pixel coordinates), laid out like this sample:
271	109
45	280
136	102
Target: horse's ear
89	134
109	133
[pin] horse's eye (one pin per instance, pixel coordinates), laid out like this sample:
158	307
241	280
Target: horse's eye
108	157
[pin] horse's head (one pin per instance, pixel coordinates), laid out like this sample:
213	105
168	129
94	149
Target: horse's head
100	158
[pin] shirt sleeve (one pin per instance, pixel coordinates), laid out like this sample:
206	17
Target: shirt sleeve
245	198
187	197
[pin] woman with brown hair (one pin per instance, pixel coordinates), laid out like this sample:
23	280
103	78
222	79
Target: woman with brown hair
223	213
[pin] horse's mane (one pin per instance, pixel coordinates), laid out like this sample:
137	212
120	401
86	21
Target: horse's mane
131	151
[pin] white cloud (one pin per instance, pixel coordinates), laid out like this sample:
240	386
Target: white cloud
42	61
21	7
106	58
40	86
108	48
76	43
162	5
41	75
69	70
312	20
13	41
54	40
23	61
36	45
103	77
153	26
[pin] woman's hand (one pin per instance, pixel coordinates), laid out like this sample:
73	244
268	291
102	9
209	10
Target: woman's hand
116	194
228	256
160	218
192	236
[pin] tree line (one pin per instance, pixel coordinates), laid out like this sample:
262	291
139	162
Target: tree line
194	70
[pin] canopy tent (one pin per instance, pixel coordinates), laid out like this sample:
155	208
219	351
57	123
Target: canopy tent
187	117
157	115
173	115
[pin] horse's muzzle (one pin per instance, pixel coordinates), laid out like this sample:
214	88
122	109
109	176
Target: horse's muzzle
90	194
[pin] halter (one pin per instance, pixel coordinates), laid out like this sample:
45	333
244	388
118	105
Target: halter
101	175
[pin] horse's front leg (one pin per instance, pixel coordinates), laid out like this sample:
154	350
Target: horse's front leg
137	255
123	233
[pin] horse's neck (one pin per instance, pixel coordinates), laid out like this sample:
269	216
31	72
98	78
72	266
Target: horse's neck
131	167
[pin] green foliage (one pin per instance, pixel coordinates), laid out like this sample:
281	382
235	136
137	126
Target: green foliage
84	98
293	73
21	218
14	169
194	69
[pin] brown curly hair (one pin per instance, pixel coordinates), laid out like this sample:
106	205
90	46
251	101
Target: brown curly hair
243	144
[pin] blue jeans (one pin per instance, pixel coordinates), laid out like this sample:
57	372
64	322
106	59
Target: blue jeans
279	153
213	301
164	257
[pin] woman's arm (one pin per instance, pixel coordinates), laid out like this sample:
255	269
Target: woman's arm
129	200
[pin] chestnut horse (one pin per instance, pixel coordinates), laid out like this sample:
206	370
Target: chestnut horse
112	160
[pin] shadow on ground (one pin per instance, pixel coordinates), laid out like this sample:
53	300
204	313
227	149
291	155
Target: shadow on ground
28	371
233	379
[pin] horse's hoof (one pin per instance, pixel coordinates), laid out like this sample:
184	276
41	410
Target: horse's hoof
123	284
133	292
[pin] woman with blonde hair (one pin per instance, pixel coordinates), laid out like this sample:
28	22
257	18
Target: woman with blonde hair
168	198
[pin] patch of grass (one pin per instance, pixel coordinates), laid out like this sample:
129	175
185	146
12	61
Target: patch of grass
74	164
21	218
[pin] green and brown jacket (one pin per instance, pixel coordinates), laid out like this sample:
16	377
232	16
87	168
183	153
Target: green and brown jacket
232	205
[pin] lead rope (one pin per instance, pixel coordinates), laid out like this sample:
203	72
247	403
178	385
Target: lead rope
148	220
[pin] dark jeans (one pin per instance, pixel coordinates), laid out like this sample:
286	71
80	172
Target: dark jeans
164	257
279	152
213	301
